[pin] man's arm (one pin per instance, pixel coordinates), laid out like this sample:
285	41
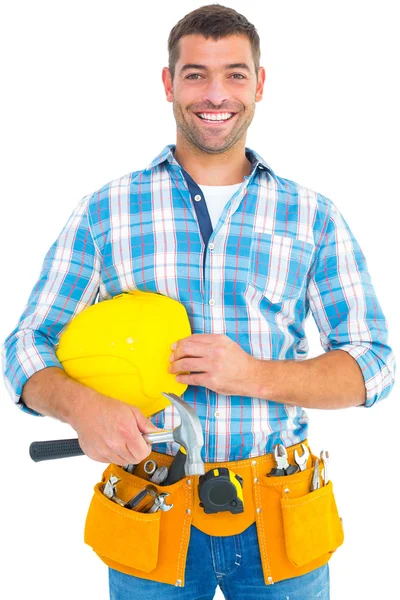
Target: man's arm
332	380
68	282
108	430
358	366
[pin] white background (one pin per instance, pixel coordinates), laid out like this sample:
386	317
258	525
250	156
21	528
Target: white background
82	104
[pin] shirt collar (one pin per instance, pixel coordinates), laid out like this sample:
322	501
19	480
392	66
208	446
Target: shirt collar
167	154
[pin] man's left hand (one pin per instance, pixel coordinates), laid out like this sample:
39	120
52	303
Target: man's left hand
216	362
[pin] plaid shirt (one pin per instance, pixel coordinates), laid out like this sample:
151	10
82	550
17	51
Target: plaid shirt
279	251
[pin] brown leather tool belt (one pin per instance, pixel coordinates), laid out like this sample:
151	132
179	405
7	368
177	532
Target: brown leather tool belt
298	529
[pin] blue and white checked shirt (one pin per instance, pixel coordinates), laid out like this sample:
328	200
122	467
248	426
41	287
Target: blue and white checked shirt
279	251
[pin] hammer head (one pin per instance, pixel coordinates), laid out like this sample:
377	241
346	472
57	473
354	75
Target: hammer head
189	435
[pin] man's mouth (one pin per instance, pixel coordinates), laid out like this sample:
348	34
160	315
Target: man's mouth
215	118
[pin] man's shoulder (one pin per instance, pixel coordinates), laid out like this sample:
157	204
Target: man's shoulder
119	185
300	193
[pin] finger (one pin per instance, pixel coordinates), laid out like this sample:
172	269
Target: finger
104	453
192	379
189	349
204	338
197	338
115	458
101	459
144	424
187	364
139	451
135	442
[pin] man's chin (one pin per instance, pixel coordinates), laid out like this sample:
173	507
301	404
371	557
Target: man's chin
212	146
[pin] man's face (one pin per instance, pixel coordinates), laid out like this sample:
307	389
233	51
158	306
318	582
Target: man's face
214	90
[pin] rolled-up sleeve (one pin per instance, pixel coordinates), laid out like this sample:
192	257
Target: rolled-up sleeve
345	307
68	282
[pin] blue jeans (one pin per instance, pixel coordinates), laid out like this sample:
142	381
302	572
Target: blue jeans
233	563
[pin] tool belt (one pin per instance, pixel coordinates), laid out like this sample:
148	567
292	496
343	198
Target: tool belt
298	530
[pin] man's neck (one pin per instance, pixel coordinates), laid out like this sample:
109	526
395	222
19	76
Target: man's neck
214	169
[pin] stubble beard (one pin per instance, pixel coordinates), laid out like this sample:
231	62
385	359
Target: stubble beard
217	144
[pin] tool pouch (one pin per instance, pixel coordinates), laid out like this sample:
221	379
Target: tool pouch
312	525
147	545
298	529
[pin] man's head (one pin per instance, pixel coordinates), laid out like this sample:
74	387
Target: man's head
213	37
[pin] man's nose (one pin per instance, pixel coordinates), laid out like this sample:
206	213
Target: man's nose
215	92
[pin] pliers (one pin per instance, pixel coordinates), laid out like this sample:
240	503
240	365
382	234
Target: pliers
283	467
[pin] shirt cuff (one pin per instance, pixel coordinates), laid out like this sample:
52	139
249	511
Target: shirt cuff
15	386
378	373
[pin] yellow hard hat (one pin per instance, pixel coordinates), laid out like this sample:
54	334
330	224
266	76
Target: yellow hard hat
121	348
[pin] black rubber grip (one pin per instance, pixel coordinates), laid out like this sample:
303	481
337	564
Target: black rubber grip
176	470
55	449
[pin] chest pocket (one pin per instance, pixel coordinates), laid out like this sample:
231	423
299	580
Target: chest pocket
279	265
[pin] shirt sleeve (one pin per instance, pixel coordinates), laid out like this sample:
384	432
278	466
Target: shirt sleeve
68	282
345	307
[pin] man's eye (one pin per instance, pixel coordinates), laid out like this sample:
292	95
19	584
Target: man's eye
233	75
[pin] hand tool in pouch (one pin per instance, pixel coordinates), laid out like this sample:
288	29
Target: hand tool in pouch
177	468
136	500
315	483
130	468
159	503
283	467
302	460
109	490
160	475
150	467
325	460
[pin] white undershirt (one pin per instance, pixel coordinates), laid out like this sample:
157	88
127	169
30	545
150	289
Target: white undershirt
216	197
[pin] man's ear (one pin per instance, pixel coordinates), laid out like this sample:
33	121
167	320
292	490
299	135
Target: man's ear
260	84
167	81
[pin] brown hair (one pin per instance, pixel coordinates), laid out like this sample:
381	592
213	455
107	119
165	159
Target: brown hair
213	21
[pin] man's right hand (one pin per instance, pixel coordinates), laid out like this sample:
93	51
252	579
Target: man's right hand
108	430
112	431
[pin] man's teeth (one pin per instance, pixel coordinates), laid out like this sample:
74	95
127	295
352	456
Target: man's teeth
214	117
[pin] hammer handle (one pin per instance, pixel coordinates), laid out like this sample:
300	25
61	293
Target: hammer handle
55	449
52	449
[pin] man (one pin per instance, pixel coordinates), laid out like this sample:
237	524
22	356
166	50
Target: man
249	255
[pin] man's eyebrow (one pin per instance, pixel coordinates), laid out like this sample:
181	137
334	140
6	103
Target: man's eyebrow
205	68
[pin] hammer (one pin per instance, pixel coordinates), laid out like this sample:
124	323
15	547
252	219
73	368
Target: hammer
188	434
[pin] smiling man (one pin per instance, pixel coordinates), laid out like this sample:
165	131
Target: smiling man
249	255
214	91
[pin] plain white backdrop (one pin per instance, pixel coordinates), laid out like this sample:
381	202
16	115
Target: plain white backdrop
82	104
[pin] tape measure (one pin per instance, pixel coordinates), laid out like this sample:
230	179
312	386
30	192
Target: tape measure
221	490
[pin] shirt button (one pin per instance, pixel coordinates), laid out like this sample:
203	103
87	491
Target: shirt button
211	246
211	302
197	197
217	414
